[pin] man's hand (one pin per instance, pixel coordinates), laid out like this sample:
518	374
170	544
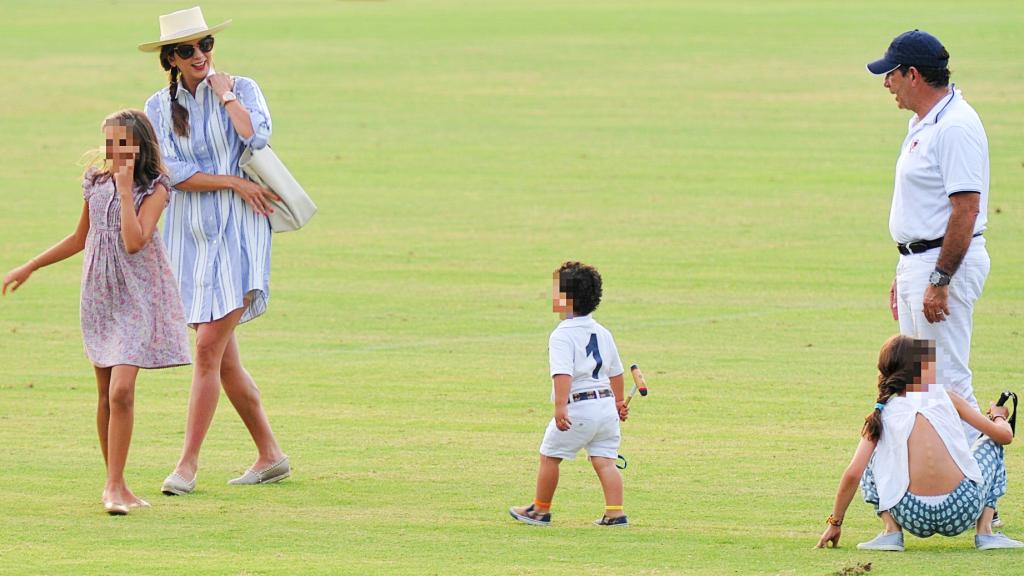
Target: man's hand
936	303
893	305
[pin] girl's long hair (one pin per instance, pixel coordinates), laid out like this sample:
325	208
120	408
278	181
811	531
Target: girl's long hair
899	364
148	163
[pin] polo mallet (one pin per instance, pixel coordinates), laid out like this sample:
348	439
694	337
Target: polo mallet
638	384
1006	395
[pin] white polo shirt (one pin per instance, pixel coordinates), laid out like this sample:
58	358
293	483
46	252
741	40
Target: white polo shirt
944	153
585	350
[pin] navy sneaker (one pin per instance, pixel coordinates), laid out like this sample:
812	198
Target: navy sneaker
531	516
618	521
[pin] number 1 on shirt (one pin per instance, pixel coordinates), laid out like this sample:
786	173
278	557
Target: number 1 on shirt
593	351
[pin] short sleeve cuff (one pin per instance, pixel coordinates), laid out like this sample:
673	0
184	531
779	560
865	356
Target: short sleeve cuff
964	187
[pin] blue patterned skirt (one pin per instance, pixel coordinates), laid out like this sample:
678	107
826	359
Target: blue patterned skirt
961	508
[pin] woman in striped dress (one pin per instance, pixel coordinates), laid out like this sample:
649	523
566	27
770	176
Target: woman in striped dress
216	231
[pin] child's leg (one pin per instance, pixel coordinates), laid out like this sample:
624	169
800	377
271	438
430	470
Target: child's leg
211	339
890	523
989	457
119	434
611	483
103	407
547	482
245	397
984	524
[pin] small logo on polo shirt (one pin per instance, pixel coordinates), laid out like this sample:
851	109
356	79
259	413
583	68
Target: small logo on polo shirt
913	146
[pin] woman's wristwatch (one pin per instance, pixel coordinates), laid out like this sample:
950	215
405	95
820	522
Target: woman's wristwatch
831	520
228	96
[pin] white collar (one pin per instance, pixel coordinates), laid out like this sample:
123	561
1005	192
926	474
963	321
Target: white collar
936	111
181	85
576	321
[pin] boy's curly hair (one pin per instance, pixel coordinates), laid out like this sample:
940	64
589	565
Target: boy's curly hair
581	284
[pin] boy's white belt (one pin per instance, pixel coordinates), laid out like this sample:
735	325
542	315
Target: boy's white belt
590	395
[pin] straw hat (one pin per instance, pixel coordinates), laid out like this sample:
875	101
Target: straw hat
182	26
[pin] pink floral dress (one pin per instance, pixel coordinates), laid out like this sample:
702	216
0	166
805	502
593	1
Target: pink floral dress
131	310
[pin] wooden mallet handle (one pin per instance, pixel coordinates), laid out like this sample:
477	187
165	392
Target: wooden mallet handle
638	383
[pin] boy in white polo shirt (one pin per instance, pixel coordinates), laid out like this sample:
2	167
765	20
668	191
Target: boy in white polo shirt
587	391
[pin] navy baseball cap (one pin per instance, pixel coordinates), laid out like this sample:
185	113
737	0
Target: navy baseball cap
914	48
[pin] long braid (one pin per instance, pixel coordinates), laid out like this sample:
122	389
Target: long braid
899	364
179	114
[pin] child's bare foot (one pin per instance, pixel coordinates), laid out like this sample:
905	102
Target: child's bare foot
121	495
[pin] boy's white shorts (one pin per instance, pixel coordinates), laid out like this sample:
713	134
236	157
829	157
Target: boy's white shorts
595	429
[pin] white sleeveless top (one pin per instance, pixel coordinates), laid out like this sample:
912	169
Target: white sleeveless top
891	459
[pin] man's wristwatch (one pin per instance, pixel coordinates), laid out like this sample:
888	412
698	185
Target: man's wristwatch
831	521
938	278
228	97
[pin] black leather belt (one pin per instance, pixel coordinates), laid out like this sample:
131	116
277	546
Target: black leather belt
922	245
591	395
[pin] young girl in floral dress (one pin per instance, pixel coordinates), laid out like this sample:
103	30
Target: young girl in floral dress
131	312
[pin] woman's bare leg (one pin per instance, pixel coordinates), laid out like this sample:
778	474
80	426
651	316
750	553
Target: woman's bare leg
211	339
245	397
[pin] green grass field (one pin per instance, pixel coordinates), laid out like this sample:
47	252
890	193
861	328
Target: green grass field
726	165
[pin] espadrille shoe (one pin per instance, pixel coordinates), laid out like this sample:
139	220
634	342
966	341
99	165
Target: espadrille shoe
273	473
175	485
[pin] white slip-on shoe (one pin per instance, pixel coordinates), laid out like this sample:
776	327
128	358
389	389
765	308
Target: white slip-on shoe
274	473
892	542
175	485
996	541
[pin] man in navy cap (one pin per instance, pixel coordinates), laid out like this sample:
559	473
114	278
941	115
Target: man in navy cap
939	207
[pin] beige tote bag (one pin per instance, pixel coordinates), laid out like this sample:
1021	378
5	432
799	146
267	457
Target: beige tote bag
266	169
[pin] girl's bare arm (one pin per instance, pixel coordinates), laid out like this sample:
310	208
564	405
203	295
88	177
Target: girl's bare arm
137	229
69	246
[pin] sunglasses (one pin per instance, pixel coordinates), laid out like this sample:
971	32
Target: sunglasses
186	51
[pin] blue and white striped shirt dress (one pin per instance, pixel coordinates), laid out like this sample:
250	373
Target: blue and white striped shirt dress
219	247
